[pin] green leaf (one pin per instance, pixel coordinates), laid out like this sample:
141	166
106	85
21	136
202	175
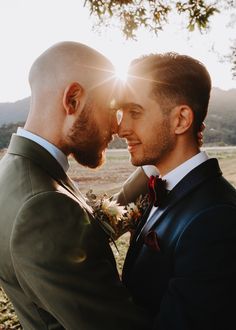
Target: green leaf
108	227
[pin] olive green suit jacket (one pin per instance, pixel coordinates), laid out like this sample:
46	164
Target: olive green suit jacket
56	264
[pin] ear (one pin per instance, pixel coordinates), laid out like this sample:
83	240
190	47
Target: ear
184	119
72	97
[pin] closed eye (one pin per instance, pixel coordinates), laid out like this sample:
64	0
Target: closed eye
132	109
134	114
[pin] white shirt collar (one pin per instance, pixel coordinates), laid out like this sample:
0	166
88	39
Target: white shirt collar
51	148
150	170
177	174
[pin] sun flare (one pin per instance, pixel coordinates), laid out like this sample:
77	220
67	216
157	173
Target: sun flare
121	72
121	68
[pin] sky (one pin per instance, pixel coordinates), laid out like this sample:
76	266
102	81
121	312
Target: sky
28	27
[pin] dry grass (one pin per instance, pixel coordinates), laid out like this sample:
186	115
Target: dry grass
109	179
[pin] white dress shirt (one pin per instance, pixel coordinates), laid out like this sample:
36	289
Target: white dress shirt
177	174
53	150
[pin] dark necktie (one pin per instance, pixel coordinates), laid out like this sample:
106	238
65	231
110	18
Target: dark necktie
157	190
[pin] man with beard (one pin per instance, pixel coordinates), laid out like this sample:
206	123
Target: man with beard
180	265
56	265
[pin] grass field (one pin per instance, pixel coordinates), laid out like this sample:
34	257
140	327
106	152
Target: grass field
109	179
117	168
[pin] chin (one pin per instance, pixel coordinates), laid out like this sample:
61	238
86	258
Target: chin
91	159
135	162
101	160
142	161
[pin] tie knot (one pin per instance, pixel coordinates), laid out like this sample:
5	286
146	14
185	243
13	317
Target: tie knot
157	190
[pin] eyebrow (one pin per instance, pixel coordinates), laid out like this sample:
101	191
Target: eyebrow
131	104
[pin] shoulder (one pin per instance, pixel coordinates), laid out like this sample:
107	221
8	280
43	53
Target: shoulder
50	204
221	215
49	219
133	187
54	217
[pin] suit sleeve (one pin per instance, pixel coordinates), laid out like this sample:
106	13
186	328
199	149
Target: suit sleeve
65	265
201	294
134	186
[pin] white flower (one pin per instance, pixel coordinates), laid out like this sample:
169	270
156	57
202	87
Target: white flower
114	218
112	209
132	207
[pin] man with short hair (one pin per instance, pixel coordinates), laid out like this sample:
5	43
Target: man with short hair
180	265
56	265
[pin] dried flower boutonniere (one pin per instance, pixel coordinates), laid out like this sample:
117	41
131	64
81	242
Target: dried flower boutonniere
114	218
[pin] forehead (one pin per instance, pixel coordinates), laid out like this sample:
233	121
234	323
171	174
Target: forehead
137	91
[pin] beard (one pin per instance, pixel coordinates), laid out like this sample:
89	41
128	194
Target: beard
85	136
158	148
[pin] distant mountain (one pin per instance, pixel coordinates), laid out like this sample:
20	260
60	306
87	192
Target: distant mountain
11	113
221	98
221	118
220	130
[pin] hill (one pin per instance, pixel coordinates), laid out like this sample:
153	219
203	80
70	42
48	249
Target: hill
11	113
220	130
221	118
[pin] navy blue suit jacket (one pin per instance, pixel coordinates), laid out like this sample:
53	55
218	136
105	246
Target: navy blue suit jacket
189	281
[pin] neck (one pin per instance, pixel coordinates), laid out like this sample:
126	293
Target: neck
43	132
177	157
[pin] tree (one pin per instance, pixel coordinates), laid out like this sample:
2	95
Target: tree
152	15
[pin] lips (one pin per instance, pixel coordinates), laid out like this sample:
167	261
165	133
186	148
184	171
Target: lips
132	145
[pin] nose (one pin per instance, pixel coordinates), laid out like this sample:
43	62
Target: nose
114	126
123	128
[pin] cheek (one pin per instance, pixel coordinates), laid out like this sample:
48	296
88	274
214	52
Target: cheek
145	132
99	119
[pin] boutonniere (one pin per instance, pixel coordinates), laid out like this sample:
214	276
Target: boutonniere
114	218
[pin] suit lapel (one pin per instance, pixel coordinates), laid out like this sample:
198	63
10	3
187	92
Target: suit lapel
40	156
190	182
70	187
142	223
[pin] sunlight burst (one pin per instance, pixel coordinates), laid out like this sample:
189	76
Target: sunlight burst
121	68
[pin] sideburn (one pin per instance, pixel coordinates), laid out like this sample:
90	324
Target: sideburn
85	139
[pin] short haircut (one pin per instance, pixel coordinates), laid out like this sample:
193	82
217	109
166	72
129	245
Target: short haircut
176	79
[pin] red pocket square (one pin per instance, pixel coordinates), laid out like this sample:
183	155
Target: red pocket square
151	240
